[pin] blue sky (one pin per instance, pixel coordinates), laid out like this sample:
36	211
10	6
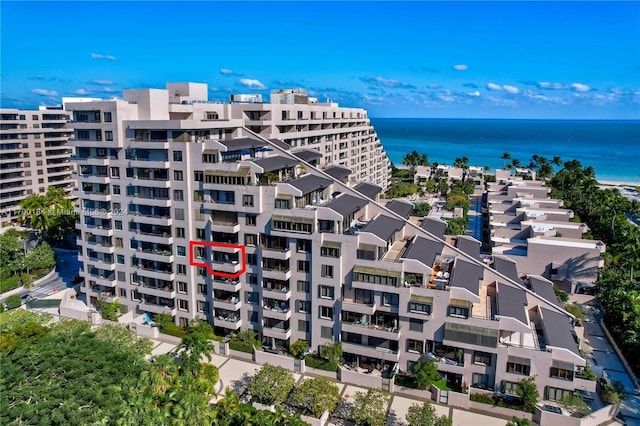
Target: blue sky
415	59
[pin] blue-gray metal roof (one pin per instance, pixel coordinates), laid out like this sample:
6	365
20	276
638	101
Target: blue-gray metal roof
368	189
506	267
424	250
346	204
558	330
309	183
466	275
544	288
338	172
400	207
469	245
308	155
434	226
512	302
383	227
240	144
276	162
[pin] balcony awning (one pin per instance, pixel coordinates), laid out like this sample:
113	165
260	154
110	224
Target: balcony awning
331	244
292	219
459	302
376	271
518	360
421	299
562	365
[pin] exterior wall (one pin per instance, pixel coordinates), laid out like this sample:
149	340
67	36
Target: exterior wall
578	264
35	154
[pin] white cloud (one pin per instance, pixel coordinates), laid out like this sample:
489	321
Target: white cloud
252	83
44	92
102	82
511	89
552	86
81	92
387	82
101	56
506	87
108	90
461	67
579	87
475	93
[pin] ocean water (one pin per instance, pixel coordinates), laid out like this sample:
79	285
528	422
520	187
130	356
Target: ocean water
612	148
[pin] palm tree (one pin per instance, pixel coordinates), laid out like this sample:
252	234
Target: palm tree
193	346
35	211
505	156
161	375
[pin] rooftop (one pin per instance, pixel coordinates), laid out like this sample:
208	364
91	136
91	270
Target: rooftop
309	183
276	162
308	155
512	302
424	250
368	189
402	208
346	204
338	172
558	330
383	227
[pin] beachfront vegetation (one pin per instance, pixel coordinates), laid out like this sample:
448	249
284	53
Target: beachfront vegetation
402	189
618	286
51	214
230	411
421	209
415	159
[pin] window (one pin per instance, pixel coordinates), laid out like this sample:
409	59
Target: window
326	271
177	175
179	214
177	156
482	358
390	299
326	332
82	134
38	145
560	373
183	305
182	287
115	172
515	368
252	297
303	246
38	154
329	252
303	265
458	311
198	176
326	292
118	225
39	163
509	387
121	276
116	189
556	394
252	259
252	279
250	239
123	293
200	233
303	326
180	232
107	117
34	117
203	306
250	219
282	204
202	288
108	135
326	312
415	346
198	195
420	308
253	316
211	115
178	195
303	286
303	306
209	158
247	200
480	381
182	269
118	242
183	322
416	325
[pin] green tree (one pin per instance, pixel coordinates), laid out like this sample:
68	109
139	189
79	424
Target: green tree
431	186
195	344
505	156
297	349
332	352
316	396
249	337
425	373
575	405
370	408
161	375
425	415
271	385
13	301
109	310
527	391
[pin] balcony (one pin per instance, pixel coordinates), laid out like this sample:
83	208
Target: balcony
144	163
106	280
371	352
232	285
276	312
153	219
360	308
167	292
167	275
277	333
280	253
229	304
277	274
103	262
154	237
367	329
155	255
142	143
229	267
231	322
169	309
226	227
94	196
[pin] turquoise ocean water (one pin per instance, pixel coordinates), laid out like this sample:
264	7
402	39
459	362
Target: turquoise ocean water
611	147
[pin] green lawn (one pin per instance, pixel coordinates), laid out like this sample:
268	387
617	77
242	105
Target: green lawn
319	363
238	345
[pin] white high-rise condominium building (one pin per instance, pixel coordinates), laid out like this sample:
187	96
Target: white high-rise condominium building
294	251
35	154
